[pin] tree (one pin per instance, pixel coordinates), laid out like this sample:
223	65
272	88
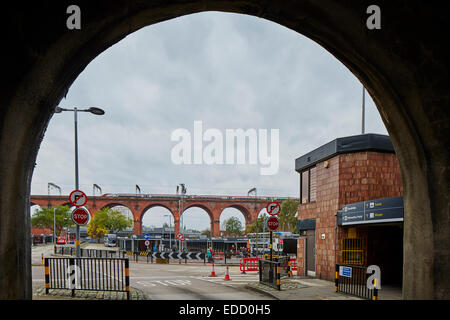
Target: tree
95	231
44	218
258	225
207	233
288	220
108	220
233	226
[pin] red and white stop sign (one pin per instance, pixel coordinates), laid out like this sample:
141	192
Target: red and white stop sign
272	223
81	216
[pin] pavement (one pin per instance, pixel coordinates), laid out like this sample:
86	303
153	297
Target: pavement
292	288
301	288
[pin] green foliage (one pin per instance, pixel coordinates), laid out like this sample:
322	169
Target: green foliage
233	227
107	220
207	232
44	218
258	225
288	220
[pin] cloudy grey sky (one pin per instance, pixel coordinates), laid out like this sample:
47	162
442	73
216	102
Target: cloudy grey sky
229	71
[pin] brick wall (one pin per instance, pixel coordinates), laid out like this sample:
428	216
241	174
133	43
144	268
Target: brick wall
349	178
301	247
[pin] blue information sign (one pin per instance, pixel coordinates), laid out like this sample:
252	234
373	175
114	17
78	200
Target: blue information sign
146	236
345	271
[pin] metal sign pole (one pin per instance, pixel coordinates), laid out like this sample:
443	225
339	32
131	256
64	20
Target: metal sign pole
271	250
77	241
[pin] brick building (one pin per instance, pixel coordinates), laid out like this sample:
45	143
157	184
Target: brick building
346	171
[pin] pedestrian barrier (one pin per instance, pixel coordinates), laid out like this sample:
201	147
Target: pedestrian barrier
90	253
293	264
219	256
96	274
270	273
351	279
249	264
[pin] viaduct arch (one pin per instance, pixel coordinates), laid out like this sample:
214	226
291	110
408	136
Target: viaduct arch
404	66
213	205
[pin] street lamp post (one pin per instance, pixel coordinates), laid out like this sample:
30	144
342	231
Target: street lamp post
180	208
93	110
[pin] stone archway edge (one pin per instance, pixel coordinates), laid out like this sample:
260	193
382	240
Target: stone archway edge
404	67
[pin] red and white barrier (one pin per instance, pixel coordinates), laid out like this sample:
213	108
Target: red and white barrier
249	264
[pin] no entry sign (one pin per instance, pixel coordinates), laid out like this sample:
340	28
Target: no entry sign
81	216
273	208
77	198
272	223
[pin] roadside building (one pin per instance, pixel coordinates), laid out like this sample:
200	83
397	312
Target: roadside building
339	182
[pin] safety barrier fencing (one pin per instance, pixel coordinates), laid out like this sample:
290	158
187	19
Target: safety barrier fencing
89	253
249	264
270	273
287	265
293	264
94	274
352	280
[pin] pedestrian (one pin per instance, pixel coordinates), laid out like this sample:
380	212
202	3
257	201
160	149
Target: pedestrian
209	255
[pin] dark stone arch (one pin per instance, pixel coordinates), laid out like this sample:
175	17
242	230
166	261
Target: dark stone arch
403	66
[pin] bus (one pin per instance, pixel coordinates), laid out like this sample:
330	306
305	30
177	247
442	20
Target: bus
110	240
259	243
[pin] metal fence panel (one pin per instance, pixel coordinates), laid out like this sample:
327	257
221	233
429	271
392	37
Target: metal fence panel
269	273
352	280
97	274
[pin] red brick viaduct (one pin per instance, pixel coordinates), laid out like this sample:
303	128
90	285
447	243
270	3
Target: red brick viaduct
138	204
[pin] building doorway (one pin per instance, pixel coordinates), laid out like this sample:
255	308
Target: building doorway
311	253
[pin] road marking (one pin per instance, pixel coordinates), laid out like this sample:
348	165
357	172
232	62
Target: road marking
166	283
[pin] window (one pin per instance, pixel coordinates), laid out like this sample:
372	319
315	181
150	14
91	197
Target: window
353	251
312	184
308	185
305	186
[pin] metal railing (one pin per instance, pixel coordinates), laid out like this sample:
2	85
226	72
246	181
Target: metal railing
352	280
95	274
90	253
269	273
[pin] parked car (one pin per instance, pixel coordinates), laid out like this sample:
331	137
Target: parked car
61	240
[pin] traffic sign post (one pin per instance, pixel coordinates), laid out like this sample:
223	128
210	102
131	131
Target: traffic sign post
273	208
81	216
272	225
77	198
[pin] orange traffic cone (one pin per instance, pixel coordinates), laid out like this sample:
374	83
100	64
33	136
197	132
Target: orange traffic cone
213	273
227	275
